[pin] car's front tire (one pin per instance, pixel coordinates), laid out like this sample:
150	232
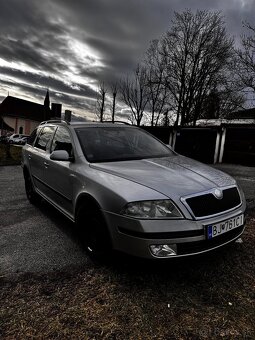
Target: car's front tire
94	233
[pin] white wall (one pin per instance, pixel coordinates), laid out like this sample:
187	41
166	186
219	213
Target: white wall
16	123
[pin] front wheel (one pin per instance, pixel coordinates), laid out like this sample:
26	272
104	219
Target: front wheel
94	233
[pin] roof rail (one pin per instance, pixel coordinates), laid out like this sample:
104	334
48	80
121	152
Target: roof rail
54	121
116	121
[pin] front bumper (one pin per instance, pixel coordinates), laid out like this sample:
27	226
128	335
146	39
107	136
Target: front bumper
134	236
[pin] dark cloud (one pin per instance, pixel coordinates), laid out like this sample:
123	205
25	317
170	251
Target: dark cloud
80	100
53	84
40	38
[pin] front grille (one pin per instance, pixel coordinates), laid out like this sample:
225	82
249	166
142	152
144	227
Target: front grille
199	246
208	205
160	235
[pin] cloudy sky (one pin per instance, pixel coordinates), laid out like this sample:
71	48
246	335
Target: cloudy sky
69	46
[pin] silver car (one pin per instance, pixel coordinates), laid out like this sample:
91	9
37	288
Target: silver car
128	191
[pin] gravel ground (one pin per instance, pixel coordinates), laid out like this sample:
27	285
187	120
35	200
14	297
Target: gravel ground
33	239
245	176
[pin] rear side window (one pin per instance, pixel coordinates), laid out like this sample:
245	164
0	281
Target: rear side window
62	141
45	137
32	137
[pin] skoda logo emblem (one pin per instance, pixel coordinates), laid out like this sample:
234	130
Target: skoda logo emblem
218	194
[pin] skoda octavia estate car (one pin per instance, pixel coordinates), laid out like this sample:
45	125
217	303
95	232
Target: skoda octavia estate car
128	191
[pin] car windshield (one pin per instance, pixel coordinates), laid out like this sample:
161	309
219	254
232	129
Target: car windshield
108	144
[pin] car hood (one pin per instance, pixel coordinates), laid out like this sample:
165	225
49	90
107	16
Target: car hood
173	176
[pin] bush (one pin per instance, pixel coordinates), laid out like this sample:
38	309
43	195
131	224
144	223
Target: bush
10	154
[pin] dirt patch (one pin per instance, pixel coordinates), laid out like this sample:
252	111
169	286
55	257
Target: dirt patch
205	297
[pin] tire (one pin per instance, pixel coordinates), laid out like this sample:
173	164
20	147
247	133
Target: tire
32	196
94	234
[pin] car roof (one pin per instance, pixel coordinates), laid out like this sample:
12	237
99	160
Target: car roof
85	124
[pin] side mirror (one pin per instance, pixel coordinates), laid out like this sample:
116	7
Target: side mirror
60	155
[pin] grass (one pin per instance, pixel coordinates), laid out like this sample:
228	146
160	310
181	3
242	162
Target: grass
208	297
10	154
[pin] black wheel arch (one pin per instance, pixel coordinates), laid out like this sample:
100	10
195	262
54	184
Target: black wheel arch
88	202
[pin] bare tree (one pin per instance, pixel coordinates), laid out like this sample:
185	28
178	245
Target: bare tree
114	90
222	101
195	52
158	101
245	66
100	104
134	93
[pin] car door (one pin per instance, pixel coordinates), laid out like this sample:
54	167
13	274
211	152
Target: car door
36	157
59	174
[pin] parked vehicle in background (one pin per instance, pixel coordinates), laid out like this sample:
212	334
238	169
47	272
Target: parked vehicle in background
22	140
12	138
128	191
17	139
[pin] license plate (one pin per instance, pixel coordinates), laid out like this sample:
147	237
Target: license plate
223	227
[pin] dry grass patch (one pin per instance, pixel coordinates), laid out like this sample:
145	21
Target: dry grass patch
203	298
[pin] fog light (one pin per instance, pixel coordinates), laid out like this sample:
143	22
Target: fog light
163	250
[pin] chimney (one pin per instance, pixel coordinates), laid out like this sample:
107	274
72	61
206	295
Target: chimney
68	115
56	110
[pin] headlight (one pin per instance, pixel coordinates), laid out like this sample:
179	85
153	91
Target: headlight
152	209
